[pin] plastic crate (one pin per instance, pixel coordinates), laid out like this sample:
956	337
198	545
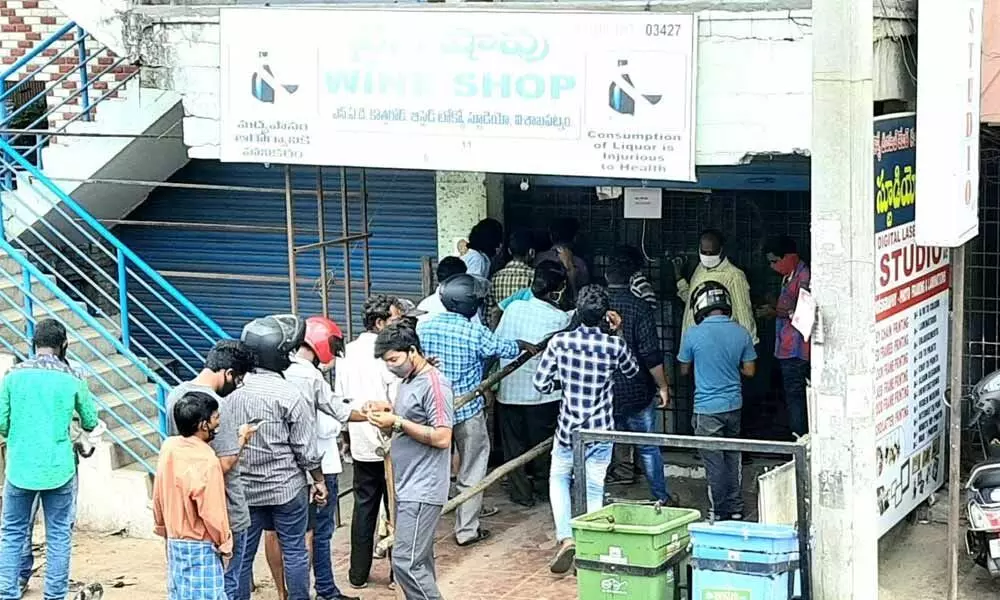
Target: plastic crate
632	534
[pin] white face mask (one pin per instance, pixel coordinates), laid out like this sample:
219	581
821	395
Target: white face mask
710	261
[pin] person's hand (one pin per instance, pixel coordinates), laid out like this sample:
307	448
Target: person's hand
566	258
376	406
382	420
664	401
765	311
226	559
678	263
527	347
614	320
319	494
246	432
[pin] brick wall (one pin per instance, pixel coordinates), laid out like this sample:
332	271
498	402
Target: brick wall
26	24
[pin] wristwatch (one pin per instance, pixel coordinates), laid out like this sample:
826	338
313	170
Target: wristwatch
397	426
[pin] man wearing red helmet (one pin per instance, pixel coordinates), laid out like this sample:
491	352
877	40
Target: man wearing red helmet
323	343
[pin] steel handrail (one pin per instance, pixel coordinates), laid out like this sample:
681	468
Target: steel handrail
111	280
173	292
87	365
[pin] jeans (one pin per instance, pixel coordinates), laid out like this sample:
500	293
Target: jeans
724	470
289	522
652	459
57	508
369	494
598	457
27	558
232	574
326	587
794	372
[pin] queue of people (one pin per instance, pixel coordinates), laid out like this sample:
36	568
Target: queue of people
254	452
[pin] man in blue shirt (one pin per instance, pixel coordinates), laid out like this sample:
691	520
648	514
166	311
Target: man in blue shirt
528	417
463	345
721	350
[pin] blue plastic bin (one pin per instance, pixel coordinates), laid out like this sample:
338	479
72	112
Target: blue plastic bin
733	560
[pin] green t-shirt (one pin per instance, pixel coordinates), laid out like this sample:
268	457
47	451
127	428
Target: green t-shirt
37	401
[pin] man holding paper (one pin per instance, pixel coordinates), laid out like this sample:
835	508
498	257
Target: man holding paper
791	348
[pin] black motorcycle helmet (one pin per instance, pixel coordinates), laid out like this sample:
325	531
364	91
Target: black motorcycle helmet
464	294
710	296
273	338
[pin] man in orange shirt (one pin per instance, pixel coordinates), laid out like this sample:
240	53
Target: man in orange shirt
189	503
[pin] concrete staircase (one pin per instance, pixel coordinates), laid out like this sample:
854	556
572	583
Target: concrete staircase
123	393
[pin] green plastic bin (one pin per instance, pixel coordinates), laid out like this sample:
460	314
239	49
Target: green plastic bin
631	551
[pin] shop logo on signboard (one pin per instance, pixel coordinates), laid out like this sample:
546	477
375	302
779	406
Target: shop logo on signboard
264	83
622	92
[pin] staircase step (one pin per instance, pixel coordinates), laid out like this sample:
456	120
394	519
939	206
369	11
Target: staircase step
7	263
120	435
138	401
15	317
13	290
109	374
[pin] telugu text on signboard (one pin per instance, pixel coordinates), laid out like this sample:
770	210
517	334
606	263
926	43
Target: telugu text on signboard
911	332
563	93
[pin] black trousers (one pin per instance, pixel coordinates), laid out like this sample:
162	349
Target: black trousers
522	428
369	492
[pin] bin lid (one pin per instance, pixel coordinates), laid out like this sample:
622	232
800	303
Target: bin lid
745	530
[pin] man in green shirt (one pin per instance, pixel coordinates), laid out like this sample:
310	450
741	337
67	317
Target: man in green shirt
38	398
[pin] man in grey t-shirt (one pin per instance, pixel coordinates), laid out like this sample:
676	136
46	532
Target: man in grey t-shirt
421	455
225	366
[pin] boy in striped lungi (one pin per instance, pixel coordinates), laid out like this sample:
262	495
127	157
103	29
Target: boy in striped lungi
189	503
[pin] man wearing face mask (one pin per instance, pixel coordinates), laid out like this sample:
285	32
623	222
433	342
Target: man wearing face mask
189	502
463	345
38	398
227	363
714	265
528	417
790	347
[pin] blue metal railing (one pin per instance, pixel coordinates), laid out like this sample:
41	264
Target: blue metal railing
73	39
140	333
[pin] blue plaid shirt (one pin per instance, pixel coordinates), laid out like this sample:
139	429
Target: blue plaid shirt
582	362
463	346
532	321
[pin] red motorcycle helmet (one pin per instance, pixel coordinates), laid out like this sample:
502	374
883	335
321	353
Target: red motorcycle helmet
324	338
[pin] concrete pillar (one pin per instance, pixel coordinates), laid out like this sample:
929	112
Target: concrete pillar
464	199
845	555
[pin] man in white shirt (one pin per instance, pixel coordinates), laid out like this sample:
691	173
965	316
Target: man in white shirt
447	267
324	341
362	378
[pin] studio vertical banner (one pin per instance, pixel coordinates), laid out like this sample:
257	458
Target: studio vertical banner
911	332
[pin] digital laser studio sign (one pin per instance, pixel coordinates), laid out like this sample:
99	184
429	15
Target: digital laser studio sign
550	93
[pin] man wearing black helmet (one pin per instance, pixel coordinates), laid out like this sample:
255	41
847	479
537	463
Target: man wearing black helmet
463	345
721	351
283	450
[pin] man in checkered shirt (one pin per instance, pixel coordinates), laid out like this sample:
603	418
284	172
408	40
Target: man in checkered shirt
518	274
582	362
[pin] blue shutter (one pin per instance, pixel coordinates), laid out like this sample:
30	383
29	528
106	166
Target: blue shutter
402	221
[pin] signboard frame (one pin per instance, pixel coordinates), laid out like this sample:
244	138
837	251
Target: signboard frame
911	334
544	92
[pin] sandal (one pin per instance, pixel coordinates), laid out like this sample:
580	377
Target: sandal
562	562
481	535
485	513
